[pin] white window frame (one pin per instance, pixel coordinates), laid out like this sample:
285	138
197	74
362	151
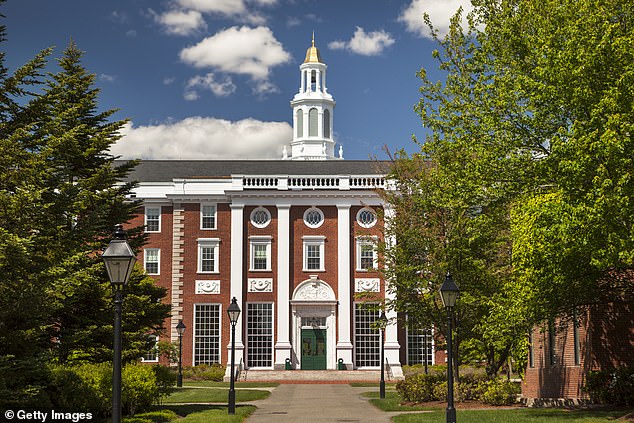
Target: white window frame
202	207
318	241
158	260
206	243
258	210
365	241
250	336
154	349
195	331
314	209
366	225
147	208
260	240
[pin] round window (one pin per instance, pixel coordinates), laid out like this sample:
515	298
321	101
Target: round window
260	217
366	217
313	217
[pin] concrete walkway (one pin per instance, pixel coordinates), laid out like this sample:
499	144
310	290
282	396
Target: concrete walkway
318	403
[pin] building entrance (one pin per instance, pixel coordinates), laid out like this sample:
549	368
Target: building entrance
313	349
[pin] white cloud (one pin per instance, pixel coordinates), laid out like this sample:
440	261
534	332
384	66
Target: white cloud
244	50
107	78
234	9
204	138
168	80
367	44
264	2
209	82
181	22
439	11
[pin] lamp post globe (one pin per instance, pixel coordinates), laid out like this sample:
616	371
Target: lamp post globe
180	329
234	312
449	293
119	261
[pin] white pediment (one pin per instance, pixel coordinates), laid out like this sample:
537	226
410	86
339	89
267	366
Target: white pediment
314	290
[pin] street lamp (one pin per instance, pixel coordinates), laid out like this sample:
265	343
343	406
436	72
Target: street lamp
180	328
119	260
233	311
449	294
382	325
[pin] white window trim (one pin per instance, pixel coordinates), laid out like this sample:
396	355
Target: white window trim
272	334
310	209
258	209
209	242
363	225
156	360
160	212
158	270
314	240
260	240
220	322
366	240
215	206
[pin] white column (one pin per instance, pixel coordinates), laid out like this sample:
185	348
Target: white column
283	345
344	344
237	228
318	81
392	346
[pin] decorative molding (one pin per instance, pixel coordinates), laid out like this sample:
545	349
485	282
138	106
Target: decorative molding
260	285
367	285
314	290
208	287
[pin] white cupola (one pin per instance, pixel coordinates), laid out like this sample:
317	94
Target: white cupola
312	112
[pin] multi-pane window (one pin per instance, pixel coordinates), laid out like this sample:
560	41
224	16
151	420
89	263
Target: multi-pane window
314	253
420	348
552	339
208	255
366	217
152	219
260	253
259	335
366	253
260	217
206	333
313	217
367	338
207	216
152	353
151	258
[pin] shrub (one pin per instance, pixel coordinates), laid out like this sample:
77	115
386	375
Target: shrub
69	392
165	380
612	386
439	391
499	392
139	388
419	387
214	372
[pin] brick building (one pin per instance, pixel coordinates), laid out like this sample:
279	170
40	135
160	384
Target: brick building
292	239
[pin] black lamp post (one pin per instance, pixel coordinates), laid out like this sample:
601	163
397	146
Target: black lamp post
233	311
119	260
449	293
382	325
180	328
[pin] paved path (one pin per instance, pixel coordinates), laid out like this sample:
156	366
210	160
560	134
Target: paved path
318	403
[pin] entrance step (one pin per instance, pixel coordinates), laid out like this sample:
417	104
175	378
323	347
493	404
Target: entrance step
317	376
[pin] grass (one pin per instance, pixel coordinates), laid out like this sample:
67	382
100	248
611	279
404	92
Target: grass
391	402
520	415
211	384
388	385
207	413
188	395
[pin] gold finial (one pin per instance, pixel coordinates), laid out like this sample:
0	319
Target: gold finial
312	54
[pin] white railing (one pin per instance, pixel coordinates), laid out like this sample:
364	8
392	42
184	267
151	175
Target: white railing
309	182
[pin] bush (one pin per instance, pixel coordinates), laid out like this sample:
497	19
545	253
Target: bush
69	392
165	380
139	388
499	392
419	387
214	372
613	386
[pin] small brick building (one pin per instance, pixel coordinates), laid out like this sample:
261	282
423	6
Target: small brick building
563	352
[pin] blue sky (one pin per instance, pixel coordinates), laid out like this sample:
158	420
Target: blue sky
212	79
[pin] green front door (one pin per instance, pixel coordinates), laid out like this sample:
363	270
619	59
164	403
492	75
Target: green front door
313	349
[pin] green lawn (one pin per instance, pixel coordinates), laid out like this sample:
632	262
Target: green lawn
203	414
391	402
388	385
520	415
189	394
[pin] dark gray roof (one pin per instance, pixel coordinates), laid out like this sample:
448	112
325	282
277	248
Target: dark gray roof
167	170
